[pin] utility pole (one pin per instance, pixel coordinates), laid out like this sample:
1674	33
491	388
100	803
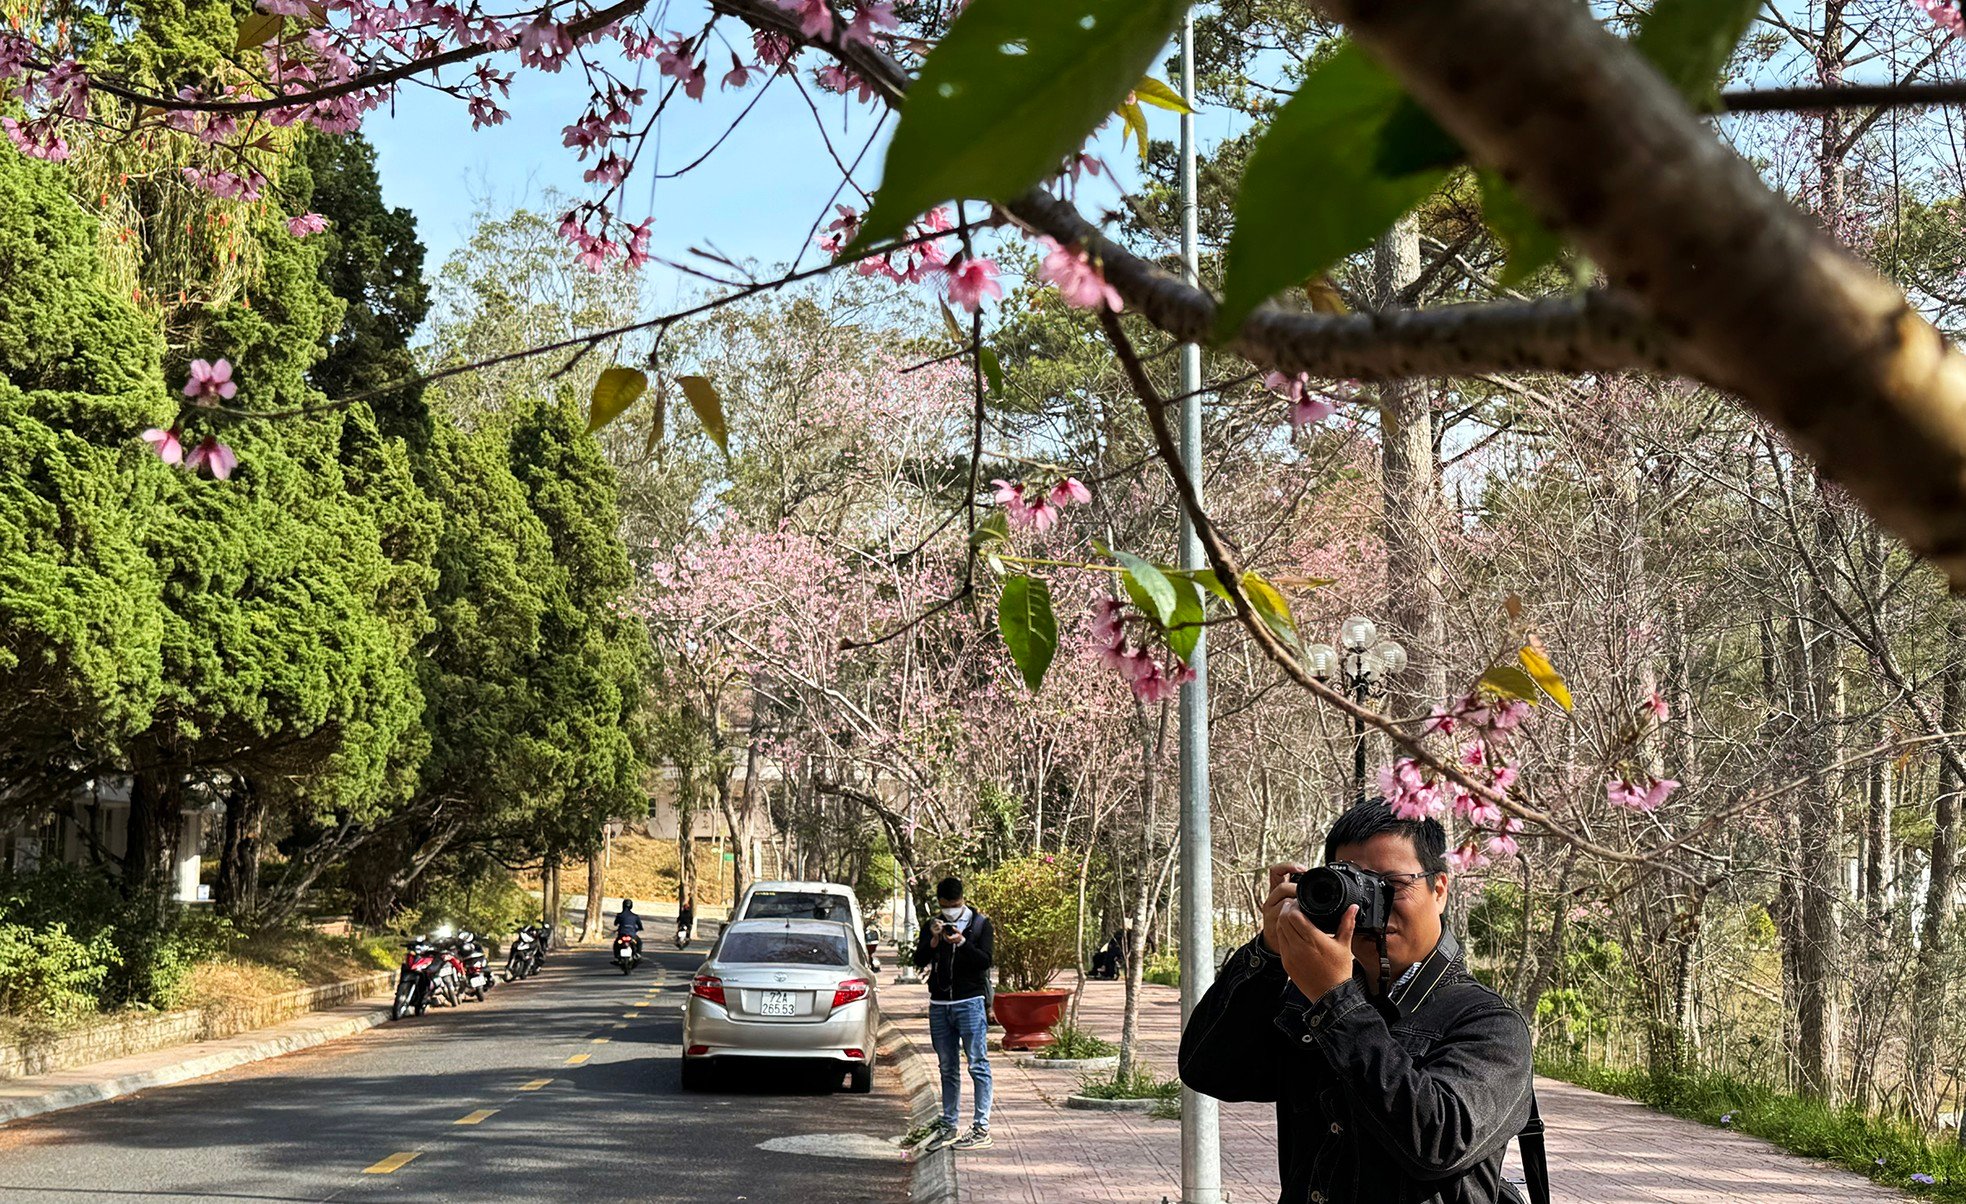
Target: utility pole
1201	1144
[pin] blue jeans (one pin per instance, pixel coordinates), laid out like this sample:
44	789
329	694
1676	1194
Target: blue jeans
961	1027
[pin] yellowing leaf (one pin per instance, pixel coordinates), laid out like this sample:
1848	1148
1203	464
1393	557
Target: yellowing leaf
1270	606
1510	682
615	391
1153	92
709	407
1545	674
1135	125
257	29
1324	297
956	331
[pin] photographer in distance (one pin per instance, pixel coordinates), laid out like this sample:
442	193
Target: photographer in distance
1396	1076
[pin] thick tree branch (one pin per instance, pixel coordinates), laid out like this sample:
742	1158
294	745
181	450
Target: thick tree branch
1764	304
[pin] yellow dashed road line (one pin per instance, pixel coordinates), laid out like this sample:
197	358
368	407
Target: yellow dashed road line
600	1040
577	1059
536	1084
476	1117
392	1164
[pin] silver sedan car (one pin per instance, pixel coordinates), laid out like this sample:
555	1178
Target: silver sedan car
782	988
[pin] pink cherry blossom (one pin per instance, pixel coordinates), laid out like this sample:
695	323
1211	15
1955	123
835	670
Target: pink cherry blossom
773	49
210	383
638	243
306	224
1500	846
739	75
213	455
1069	492
1079	283
815	19
838	79
1657	706
169	444
873	14
1310	411
971	280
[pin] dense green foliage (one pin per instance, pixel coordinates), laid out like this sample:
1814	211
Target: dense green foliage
1032	903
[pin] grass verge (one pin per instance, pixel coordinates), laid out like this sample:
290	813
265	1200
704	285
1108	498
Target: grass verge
1885	1150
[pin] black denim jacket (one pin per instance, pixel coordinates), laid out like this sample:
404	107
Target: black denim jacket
1411	1104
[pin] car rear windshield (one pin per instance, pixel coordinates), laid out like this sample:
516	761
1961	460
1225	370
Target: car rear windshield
797	905
784	948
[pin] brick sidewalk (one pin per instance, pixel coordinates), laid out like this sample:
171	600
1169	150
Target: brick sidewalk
1603	1150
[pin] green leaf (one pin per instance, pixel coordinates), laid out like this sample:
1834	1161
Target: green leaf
1029	629
1532	246
1313	191
1690	41
1189	614
994	529
257	29
1149	588
1545	675
1510	682
1413	141
1150	91
992	370
709	407
1270	606
1207	579
614	392
1007	95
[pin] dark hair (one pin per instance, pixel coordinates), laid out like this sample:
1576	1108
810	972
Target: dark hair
1373	817
949	888
627	905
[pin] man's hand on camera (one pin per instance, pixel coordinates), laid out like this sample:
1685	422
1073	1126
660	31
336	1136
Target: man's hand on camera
1315	960
1282	890
954	938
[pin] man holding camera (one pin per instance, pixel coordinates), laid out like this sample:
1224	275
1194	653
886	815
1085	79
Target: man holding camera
955	948
1396	1075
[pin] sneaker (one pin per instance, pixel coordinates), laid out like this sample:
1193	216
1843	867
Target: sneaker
975	1139
939	1134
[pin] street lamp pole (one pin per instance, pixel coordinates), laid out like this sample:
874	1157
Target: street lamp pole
1361	670
1201	1150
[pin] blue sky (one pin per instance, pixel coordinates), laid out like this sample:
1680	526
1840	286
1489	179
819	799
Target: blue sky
754	198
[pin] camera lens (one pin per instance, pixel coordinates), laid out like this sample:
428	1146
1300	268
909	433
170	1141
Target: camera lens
1321	893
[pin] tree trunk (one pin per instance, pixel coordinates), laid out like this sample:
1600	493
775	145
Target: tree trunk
550	896
1821	887
597	880
1928	988
1410	476
237	889
1151	736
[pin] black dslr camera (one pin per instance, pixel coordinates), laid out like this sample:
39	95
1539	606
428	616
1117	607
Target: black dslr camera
1324	893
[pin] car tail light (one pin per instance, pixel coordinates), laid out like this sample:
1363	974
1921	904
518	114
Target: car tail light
697	1051
707	986
850	990
856	1054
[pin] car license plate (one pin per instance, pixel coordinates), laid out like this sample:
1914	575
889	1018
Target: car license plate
776	1003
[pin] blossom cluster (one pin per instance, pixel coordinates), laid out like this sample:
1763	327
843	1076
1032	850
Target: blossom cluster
1038	507
1134	663
1417	791
208	383
1308	406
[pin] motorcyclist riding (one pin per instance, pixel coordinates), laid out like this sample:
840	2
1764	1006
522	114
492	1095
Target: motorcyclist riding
629	924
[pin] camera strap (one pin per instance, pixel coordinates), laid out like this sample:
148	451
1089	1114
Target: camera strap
1385	967
1535	1165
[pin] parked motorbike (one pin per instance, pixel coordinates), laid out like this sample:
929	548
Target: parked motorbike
477	970
416	979
448	978
626	953
527	949
682	935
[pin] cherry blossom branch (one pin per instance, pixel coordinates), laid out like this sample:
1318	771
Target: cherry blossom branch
1229	576
1843	96
579	341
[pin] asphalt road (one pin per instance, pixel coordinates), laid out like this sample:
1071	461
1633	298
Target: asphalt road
562	1087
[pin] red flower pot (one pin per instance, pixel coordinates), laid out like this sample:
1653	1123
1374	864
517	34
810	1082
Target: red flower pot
1028	1016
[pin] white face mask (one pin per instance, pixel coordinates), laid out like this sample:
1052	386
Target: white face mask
952	913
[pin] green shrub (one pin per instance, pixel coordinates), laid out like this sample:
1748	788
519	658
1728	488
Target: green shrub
490	904
1069	1042
1032	903
1887	1150
48	974
1163	968
1137	1083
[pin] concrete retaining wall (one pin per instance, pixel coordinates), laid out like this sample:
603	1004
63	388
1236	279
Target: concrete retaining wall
120	1037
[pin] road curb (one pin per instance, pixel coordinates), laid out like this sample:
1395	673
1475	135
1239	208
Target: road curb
933	1179
75	1095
